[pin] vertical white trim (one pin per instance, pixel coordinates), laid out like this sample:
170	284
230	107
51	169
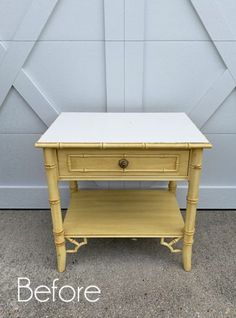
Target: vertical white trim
114	54
134	54
115	76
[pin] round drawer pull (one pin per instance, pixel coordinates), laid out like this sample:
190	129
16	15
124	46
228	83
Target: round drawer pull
123	163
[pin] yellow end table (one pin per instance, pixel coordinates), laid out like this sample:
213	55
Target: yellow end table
123	146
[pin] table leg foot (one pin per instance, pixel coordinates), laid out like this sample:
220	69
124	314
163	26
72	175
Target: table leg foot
187	258
61	258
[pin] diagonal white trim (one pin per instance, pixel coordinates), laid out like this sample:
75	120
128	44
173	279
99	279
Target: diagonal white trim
213	20
212	99
219	32
35	98
18	52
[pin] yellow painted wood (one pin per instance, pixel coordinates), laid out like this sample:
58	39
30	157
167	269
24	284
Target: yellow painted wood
172	186
54	200
86	164
73	186
140	145
123	213
156	177
192	199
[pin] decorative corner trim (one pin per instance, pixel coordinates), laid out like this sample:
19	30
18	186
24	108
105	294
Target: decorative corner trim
172	242
76	243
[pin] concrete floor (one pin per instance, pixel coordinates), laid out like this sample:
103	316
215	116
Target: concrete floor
137	278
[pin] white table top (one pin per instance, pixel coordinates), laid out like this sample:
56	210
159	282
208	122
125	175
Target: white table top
123	128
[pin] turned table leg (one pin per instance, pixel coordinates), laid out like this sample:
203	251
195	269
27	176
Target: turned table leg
192	199
172	186
54	200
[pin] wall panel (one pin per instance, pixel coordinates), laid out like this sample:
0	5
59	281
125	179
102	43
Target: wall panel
115	55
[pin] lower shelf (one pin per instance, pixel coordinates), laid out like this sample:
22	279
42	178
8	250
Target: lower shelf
123	213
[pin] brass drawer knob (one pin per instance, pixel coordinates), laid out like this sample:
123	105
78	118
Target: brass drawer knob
123	163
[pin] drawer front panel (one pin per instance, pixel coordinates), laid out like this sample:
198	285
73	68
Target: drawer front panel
89	163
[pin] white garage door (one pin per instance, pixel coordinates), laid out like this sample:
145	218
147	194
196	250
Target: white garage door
115	55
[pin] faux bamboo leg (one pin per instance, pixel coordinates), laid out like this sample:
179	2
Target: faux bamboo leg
192	199
73	186
172	186
54	200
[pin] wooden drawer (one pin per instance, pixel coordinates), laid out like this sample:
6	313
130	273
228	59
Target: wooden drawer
122	164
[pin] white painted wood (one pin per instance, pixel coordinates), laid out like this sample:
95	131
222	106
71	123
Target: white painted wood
213	197
23	165
166	20
212	99
213	20
218	30
224	118
114	19
33	95
18	51
134	62
11	64
228	10
135	21
115	73
35	98
11	15
2	50
114	51
174	77
71	74
39	11
77	20
219	162
29	197
123	127
227	51
168	62
16	117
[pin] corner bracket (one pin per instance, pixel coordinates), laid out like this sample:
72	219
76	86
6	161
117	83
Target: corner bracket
170	243
76	243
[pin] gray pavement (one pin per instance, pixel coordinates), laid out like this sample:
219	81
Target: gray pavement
137	278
